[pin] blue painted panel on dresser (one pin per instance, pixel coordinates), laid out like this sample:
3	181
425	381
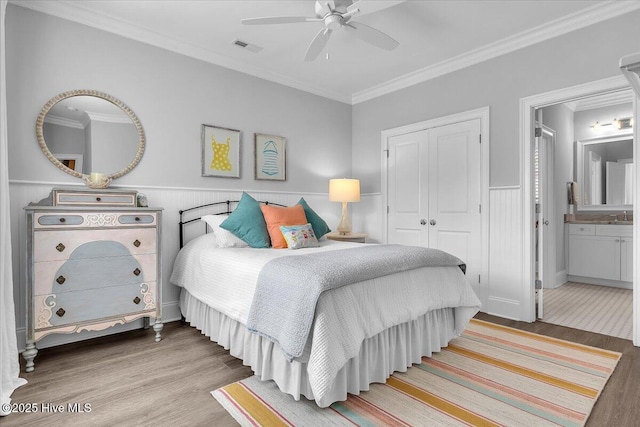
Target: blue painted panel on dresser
98	303
60	220
135	219
98	264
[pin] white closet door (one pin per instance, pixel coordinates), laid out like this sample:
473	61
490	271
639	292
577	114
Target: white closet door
434	199
408	189
454	218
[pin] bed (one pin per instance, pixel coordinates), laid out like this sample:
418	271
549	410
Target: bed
360	333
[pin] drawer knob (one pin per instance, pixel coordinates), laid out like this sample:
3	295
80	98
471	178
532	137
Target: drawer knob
137	272
98	199
63	220
137	243
136	300
137	218
60	312
61	280
60	247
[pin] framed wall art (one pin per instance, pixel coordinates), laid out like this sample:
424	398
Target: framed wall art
270	157
220	152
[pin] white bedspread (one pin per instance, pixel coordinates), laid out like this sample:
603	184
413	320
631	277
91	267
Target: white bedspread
225	279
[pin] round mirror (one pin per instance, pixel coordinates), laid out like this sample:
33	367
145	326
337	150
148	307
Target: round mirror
90	135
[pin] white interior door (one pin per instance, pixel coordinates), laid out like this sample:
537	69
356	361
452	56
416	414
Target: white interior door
407	189
454	215
434	191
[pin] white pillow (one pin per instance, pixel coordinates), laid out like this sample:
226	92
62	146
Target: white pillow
225	238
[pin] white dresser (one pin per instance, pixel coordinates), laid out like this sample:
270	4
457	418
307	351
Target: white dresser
93	262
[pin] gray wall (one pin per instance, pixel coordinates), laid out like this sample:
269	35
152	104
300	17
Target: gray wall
581	56
560	119
173	96
63	139
113	146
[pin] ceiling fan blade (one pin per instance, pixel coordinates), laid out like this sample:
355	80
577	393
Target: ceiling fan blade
371	35
278	20
317	44
371	6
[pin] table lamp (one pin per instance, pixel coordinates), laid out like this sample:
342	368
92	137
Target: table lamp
344	191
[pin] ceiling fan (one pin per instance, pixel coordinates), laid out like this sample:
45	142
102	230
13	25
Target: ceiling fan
337	14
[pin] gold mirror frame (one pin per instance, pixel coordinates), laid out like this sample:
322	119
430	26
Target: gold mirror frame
86	178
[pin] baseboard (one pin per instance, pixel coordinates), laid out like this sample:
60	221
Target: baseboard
170	313
601	282
509	309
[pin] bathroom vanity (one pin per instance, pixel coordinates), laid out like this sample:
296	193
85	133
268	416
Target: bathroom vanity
601	253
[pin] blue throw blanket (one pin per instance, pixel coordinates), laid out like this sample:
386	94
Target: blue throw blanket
288	288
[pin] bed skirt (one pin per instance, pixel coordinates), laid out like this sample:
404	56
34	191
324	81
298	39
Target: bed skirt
394	349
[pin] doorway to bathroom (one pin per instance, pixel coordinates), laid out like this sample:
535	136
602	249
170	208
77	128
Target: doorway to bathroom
581	168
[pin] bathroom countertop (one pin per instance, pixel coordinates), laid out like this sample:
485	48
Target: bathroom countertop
611	222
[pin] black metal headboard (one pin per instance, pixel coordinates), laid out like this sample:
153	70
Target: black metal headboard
226	205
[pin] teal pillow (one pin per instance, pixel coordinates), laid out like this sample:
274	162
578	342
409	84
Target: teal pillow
320	228
247	223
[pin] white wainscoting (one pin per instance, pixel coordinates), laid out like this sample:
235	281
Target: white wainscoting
171	200
505	252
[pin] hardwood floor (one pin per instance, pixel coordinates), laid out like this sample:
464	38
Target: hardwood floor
129	380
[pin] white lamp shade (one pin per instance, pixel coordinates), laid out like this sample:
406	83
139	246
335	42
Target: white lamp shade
344	190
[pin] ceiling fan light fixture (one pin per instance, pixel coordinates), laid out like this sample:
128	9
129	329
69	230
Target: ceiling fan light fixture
333	21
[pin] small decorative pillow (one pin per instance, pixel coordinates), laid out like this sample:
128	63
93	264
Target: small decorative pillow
224	238
276	216
247	223
320	227
299	236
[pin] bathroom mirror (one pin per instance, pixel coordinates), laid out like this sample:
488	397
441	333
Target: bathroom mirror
87	133
605	173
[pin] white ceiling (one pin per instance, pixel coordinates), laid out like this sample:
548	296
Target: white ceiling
435	37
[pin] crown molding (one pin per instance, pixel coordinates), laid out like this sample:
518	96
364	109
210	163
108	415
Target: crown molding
605	100
63	121
77	13
108	118
589	16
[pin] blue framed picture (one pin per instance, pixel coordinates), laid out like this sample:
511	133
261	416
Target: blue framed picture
271	157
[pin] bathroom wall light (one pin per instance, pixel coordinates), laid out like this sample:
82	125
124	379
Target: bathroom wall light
618	124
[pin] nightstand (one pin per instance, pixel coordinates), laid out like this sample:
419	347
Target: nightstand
352	237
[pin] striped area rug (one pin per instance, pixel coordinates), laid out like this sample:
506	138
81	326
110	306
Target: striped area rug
491	375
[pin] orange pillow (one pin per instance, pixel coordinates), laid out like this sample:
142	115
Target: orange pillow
276	216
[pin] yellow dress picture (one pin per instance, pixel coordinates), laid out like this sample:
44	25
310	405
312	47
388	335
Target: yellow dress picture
220	159
220	152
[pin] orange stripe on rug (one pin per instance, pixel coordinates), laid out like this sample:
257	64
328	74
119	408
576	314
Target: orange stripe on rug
533	350
439	403
260	412
556	341
530	373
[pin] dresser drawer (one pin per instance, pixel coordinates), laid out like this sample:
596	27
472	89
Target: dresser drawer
52	245
583	229
81	306
55	277
94	198
64	220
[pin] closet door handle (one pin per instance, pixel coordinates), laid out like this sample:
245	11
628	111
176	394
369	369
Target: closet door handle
432	222
423	222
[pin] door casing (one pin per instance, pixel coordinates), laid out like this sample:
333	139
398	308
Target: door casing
528	106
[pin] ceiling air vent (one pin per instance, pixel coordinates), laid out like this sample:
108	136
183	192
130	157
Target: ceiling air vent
248	46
